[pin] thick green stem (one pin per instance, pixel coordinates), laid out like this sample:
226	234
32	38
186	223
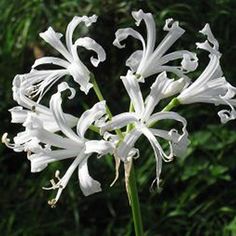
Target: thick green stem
133	193
132	186
134	201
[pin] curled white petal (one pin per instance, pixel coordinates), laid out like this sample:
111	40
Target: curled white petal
122	34
126	146
165	115
188	63
210	37
73	24
90	116
151	60
156	145
58	114
72	65
87	184
81	75
158	152
210	82
91	44
151	30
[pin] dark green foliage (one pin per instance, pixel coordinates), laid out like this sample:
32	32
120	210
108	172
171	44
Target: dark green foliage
198	195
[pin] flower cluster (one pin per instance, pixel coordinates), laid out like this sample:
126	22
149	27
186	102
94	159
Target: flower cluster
51	135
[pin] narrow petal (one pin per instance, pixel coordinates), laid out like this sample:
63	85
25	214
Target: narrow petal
99	146
119	121
163	87
178	142
43	81
90	116
210	85
158	152
51	60
134	60
126	146
54	39
166	116
156	146
73	24
39	161
19	87
59	116
151	30
132	87
52	139
122	34
178	55
174	32
80	73
156	93
91	44
226	115
87	184
210	37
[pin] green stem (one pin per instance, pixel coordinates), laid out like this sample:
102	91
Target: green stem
135	206
132	186
101	98
133	192
173	103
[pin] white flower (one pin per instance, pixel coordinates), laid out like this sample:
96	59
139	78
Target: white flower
151	60
71	65
143	119
211	86
45	147
21	94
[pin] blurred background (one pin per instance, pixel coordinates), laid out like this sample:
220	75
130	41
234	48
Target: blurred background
198	191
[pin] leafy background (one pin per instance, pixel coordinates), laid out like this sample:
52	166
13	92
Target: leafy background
198	191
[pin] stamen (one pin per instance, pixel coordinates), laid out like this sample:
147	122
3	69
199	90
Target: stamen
6	141
57	173
52	203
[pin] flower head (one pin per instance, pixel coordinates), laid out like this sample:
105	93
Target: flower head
151	60
211	86
143	119
71	64
44	147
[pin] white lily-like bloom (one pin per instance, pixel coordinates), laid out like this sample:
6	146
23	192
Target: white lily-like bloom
143	119
45	147
21	94
211	86
71	65
151	60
